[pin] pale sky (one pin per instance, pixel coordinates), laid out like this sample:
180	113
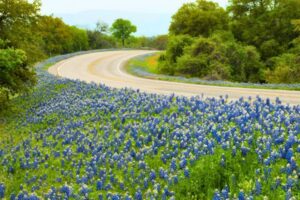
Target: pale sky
148	6
152	17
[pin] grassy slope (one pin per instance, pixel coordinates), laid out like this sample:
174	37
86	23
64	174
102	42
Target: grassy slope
147	67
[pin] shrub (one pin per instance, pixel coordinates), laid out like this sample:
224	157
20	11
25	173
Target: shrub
286	69
175	49
218	57
204	59
15	75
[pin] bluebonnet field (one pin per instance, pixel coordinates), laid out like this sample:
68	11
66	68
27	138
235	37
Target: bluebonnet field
73	140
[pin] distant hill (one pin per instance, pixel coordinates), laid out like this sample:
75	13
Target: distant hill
149	24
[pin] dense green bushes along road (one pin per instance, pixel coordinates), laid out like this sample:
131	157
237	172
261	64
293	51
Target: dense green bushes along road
252	41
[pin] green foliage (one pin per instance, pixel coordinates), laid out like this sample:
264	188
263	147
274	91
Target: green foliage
244	62
79	39
265	24
286	69
24	28
270	48
200	18
59	38
205	58
208	174
17	23
160	42
122	29
218	57
175	49
98	40
237	45
237	171
15	74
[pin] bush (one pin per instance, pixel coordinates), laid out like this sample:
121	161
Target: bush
270	48
204	59
15	75
175	49
160	42
199	18
218	57
245	62
286	69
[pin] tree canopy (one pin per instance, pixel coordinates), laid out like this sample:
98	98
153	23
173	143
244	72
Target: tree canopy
266	24
15	74
200	18
258	41
122	29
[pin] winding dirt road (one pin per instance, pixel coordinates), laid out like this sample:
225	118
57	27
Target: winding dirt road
107	68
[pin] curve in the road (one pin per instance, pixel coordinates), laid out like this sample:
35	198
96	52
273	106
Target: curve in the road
107	68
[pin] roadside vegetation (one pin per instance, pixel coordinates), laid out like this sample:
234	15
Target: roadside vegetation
148	67
249	41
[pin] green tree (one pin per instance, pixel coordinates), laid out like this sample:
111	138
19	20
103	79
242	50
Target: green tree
56	35
17	24
200	18
15	16
175	49
98	40
16	76
79	39
219	57
122	29
286	69
160	42
265	24
296	23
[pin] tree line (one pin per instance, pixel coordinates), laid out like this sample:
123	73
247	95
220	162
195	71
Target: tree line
27	37
249	41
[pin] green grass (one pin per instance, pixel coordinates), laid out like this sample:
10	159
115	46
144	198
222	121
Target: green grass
147	67
47	66
238	172
148	64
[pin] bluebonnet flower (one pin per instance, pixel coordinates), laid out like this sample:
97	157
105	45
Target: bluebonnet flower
152	175
138	195
258	187
187	172
217	196
84	190
2	190
183	163
115	197
67	190
173	165
100	185
289	195
225	193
